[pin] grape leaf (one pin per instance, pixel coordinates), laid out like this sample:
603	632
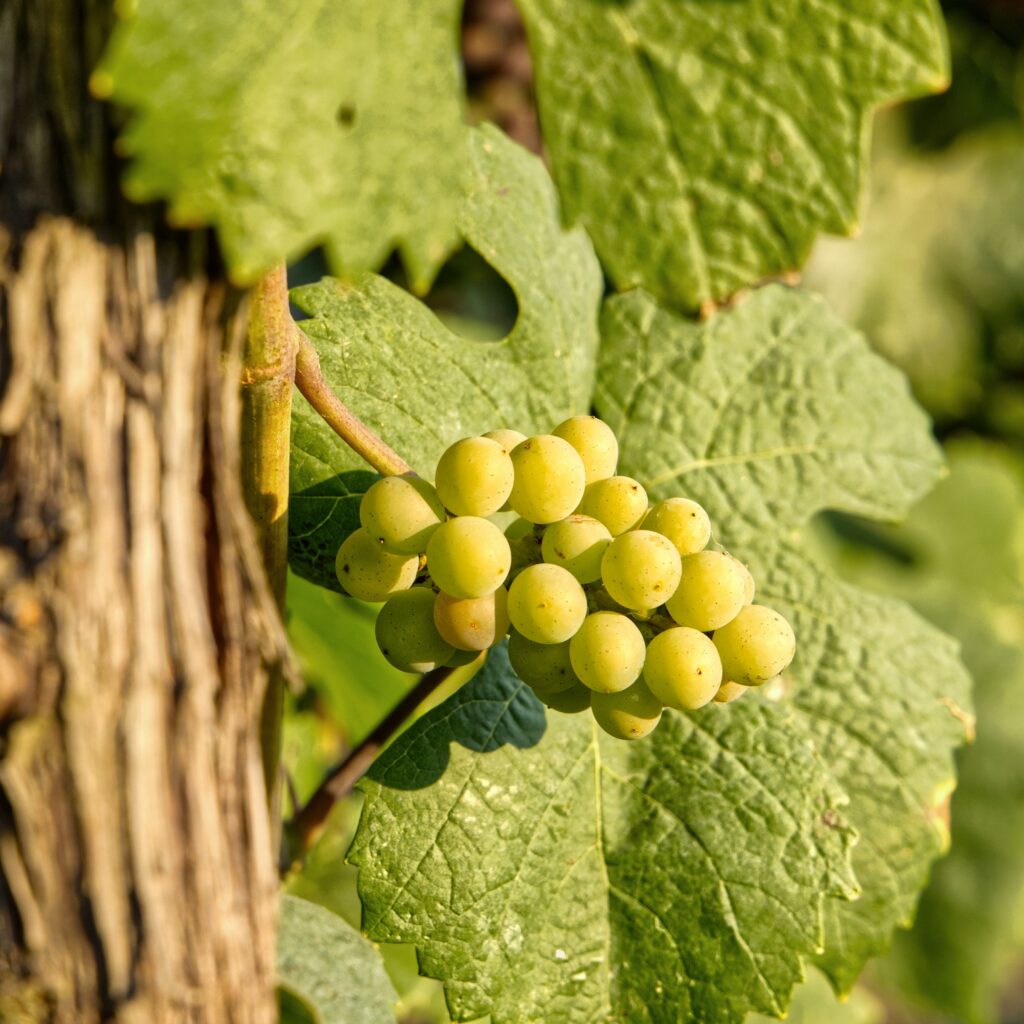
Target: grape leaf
956	956
418	385
330	966
548	872
272	123
530	876
703	143
766	415
814	1002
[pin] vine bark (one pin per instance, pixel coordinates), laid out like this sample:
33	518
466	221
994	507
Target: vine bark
138	631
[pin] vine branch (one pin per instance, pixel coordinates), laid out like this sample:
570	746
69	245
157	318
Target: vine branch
307	822
309	379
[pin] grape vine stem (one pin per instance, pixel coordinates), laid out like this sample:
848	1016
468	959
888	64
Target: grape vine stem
309	379
306	824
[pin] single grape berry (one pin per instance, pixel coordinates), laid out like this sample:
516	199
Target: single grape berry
546	668
607	652
546	604
472	623
684	522
595	442
468	557
756	645
640	569
474	477
619	502
369	572
729	691
549	479
683	669
570	701
406	634
508	439
711	591
627	714
401	512
577	544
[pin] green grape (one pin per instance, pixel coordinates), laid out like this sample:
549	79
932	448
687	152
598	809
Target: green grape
684	522
369	572
756	645
546	603
749	587
474	477
570	701
683	669
468	557
711	591
619	502
472	623
607	652
577	544
401	512
595	442
546	668
550	478
627	714
729	691
406	633
508	439
640	569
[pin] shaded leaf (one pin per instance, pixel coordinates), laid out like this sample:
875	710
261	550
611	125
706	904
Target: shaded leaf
330	966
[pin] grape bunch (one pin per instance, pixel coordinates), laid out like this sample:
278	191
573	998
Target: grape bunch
610	603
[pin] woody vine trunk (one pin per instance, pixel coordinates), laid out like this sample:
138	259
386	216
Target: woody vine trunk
138	631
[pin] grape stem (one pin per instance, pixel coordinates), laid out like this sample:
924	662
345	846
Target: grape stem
306	824
309	379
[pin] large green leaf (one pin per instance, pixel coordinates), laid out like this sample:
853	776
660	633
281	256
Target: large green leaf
960	560
683	878
767	415
293	123
703	143
548	872
330	966
419	385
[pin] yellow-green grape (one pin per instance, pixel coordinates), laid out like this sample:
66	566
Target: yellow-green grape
518	529
474	477
595	442
546	603
729	691
401	512
577	544
607	652
367	571
570	701
628	714
406	633
546	668
640	569
619	502
508	439
683	669
468	557
684	522
749	586
756	645
550	478
472	623
711	591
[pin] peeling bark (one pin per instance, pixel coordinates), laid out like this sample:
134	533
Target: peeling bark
137	629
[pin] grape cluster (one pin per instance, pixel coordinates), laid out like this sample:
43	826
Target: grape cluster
610	603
